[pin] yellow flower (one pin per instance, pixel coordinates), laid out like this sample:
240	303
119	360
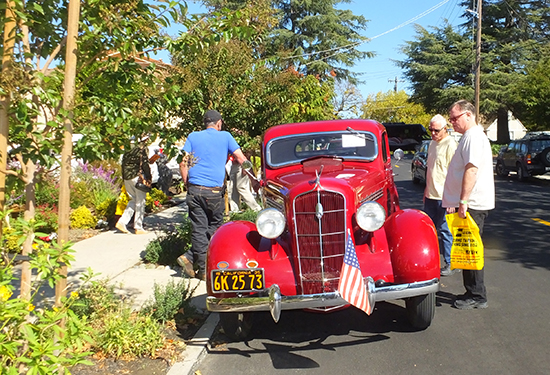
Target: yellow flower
5	293
35	246
30	307
74	294
55	309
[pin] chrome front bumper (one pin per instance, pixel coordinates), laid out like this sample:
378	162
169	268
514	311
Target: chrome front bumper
270	299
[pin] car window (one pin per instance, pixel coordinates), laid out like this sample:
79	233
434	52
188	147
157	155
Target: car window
297	147
539	145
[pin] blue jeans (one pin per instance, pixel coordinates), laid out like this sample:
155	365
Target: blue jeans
436	212
206	208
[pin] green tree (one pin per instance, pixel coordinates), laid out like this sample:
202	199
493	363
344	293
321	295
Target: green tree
394	107
313	37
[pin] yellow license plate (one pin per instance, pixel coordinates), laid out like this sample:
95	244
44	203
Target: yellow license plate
248	280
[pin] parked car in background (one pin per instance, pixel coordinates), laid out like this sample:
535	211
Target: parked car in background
419	163
325	185
405	136
528	156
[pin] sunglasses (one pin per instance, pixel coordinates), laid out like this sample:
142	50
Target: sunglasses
453	119
436	130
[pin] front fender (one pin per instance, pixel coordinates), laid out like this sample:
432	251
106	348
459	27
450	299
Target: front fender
238	245
413	244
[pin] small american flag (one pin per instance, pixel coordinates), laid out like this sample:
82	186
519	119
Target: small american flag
351	286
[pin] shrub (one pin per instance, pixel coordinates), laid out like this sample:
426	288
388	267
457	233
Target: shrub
82	218
248	215
106	209
93	186
46	190
10	240
126	334
47	216
28	333
95	299
166	248
155	199
170	300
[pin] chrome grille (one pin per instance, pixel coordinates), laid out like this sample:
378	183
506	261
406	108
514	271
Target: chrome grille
320	227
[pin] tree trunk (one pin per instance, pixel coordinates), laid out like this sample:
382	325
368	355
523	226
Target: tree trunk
503	133
30	198
68	103
9	41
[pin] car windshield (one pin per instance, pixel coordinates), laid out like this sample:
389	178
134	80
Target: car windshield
297	147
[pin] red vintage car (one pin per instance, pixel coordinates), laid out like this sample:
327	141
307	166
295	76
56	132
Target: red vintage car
322	182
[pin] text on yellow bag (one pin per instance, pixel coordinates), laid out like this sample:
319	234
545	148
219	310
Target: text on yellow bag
467	250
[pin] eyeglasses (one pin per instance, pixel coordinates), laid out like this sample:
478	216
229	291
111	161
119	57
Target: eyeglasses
453	119
436	130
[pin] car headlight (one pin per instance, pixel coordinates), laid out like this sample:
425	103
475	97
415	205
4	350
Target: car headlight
270	223
371	216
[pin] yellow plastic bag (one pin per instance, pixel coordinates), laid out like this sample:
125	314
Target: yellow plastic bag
467	250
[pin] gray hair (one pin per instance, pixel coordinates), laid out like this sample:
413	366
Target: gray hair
438	119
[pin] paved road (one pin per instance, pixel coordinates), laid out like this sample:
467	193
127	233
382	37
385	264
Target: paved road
510	337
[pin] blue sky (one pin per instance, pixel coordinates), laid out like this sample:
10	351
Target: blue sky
384	16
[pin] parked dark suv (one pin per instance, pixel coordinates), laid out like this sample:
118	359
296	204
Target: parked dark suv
529	156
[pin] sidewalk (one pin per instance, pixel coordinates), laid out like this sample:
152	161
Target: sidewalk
117	256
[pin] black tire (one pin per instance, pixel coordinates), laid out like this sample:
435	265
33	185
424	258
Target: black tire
236	326
500	170
522	174
545	157
421	310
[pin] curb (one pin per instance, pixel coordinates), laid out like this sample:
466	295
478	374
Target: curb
196	348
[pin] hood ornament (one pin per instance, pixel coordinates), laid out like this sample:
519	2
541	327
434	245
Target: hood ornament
317	182
319	211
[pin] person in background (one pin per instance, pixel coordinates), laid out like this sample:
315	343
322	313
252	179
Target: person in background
239	188
203	170
441	150
470	187
134	161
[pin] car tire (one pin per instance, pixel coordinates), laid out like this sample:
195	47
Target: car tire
421	310
236	326
500	170
522	175
545	157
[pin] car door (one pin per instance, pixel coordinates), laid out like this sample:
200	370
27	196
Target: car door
509	156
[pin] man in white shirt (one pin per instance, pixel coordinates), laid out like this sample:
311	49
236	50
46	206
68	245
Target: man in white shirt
470	186
441	150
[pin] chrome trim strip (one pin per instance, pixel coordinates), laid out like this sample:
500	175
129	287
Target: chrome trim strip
333	299
374	196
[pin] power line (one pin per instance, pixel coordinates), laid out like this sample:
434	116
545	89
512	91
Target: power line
355	44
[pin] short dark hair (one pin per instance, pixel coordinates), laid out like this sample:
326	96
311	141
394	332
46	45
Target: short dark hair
211	117
464	105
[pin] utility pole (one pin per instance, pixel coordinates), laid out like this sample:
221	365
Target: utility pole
478	60
395	81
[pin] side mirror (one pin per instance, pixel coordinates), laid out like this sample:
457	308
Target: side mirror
398	154
247	165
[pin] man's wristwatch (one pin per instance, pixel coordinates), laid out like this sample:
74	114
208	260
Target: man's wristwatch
464	202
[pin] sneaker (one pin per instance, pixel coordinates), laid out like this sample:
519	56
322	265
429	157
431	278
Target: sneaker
470	303
447	271
140	231
186	265
121	227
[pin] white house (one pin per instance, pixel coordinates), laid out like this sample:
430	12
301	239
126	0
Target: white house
516	128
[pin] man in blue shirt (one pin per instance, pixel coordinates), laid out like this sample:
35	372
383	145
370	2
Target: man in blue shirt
203	170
